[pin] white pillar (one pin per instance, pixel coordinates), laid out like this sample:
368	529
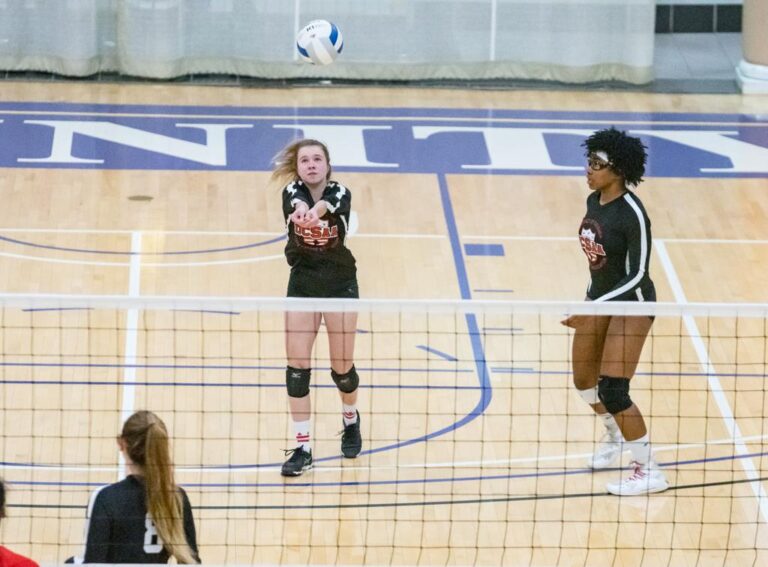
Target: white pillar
752	71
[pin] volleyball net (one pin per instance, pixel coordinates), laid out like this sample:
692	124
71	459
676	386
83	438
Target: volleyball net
475	441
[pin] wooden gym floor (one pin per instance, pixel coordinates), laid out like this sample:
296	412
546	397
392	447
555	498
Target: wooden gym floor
474	439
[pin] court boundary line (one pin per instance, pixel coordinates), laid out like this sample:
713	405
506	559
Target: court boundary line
256	468
252	260
715	386
130	357
395	117
365	235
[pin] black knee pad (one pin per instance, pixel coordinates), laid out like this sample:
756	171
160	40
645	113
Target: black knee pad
297	381
614	393
346	382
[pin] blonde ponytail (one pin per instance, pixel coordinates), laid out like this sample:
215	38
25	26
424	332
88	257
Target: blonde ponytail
148	445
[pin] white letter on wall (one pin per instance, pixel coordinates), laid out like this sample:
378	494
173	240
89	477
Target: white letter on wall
213	152
346	144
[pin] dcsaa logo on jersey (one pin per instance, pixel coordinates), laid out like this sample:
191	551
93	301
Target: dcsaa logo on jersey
317	236
594	250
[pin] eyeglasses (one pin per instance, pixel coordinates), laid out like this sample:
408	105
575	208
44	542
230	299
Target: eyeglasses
596	164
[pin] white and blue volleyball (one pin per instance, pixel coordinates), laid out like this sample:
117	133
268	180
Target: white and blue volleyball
319	42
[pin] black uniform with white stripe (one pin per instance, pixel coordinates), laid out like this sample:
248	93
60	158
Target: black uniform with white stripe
321	264
616	237
119	529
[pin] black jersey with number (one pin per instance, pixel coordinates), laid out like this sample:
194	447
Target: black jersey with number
320	249
119	529
616	237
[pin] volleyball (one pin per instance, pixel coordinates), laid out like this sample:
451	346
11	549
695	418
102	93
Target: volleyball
319	42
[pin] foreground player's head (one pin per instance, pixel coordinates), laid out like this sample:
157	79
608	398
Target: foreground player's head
144	439
624	154
286	163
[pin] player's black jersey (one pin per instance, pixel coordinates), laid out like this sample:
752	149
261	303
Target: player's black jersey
119	530
321	248
616	237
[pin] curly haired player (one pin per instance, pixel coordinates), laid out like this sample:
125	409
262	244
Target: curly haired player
615	235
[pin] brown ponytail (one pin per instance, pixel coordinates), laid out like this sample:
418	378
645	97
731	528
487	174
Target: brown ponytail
147	444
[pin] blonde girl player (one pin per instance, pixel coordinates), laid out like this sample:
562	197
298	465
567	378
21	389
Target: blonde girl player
316	210
146	517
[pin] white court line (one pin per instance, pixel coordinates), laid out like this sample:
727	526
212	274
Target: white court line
397	235
399	466
468	119
539	459
215	262
204	232
714	382
715	241
144	231
147	264
565	238
364	235
128	389
281	256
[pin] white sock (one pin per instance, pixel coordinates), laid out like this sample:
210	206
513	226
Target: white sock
641	449
349	414
301	431
610	424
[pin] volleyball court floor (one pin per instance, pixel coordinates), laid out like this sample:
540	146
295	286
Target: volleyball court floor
474	440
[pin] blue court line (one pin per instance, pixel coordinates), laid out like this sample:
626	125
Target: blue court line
129	253
508	370
211	311
441	354
490	249
397	482
483	373
279	385
213	367
495	369
453	237
35	309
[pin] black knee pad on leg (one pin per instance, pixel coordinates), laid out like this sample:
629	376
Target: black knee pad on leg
297	381
346	382
614	393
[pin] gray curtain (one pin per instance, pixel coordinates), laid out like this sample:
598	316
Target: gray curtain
572	41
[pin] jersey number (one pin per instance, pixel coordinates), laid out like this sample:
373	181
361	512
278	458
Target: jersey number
152	541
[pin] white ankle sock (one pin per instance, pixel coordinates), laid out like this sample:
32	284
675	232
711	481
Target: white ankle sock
610	424
641	449
349	414
301	431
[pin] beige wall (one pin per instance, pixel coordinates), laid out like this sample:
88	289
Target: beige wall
754	27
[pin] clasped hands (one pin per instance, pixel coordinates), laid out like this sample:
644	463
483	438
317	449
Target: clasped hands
305	217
